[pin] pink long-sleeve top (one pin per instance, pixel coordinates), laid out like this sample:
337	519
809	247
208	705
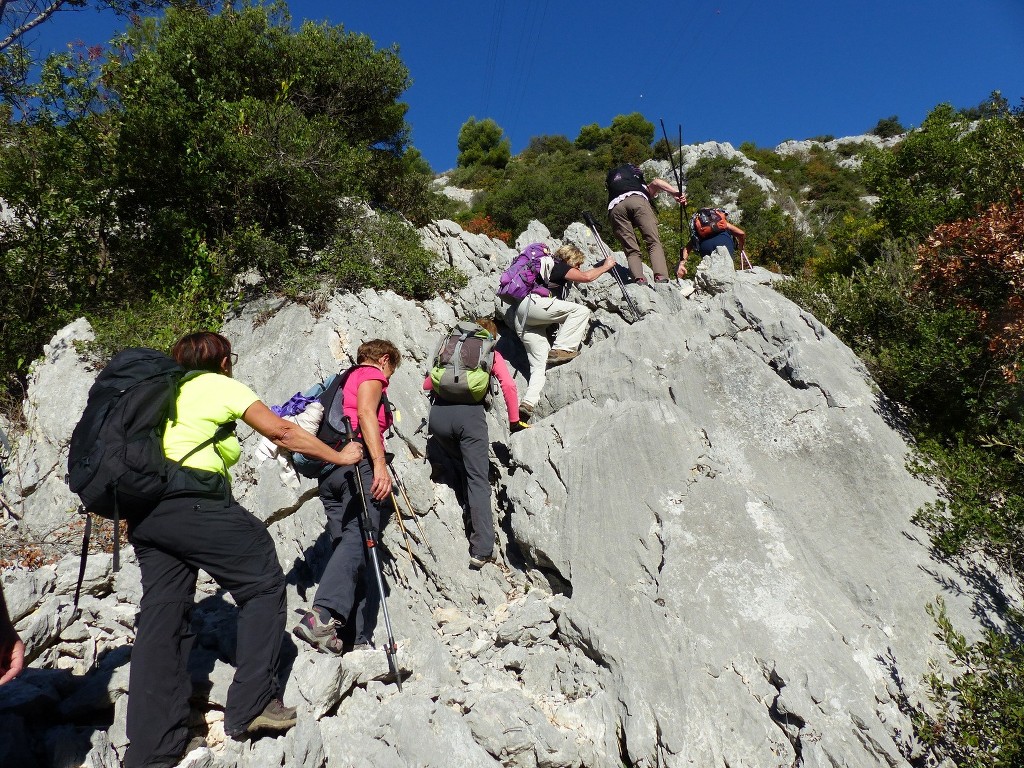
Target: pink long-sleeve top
505	381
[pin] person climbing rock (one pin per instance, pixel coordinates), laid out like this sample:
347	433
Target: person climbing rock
630	207
531	316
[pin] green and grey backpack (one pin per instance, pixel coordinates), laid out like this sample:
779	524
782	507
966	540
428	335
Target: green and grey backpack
461	367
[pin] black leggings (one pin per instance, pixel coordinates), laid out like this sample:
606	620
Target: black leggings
172	543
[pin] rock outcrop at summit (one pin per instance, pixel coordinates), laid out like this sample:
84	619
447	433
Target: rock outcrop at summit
705	551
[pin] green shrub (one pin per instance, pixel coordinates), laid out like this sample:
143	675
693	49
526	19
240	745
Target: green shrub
552	188
381	252
711	179
888	127
978	720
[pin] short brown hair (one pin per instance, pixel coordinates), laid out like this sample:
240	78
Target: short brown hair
488	324
202	351
372	351
571	255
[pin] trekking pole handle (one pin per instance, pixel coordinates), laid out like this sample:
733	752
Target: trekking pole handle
589	219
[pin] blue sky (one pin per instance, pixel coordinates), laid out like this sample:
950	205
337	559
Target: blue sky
726	70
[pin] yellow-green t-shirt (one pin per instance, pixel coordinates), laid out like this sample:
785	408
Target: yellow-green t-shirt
204	403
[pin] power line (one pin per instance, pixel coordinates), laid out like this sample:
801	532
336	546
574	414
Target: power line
492	56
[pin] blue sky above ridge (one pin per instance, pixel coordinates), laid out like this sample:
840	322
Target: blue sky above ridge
726	71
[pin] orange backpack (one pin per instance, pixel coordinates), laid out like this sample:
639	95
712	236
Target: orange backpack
708	222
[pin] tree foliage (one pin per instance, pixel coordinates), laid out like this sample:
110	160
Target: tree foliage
551	187
483	143
888	127
948	170
198	147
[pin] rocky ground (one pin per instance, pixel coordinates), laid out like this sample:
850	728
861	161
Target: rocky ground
705	554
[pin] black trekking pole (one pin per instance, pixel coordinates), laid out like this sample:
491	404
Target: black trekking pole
679	180
615	271
370	538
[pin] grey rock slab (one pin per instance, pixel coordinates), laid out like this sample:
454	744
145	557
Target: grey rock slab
705	554
515	733
24	590
100	690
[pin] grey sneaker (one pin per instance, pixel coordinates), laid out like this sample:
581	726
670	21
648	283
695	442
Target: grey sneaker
525	411
558	356
322	635
476	563
274	717
364	645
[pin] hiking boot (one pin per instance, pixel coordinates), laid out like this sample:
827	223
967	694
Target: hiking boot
558	356
525	411
660	278
363	645
640	280
321	634
274	717
476	563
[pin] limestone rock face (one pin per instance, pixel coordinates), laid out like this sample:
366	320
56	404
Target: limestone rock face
705	555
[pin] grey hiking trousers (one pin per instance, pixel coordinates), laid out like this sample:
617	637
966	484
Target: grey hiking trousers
348	573
461	431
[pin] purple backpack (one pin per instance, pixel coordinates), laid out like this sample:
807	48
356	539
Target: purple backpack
520	279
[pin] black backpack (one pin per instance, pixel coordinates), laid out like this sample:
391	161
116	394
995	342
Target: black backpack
622	179
335	429
116	459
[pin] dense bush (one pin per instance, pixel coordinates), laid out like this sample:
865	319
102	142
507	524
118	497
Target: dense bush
712	179
888	127
552	188
484	225
941	326
948	170
198	147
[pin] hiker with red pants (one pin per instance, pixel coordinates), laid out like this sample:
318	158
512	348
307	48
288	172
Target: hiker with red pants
347	587
198	525
709	229
630	207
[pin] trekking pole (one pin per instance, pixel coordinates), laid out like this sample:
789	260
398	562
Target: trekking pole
370	538
680	176
412	511
401	522
679	179
743	258
615	272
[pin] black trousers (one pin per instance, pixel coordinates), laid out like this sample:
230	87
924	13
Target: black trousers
172	543
348	584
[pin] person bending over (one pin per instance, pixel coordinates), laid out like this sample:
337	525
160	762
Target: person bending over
535	313
631	207
199	525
